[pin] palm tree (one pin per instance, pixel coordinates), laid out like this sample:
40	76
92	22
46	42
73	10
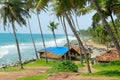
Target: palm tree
28	6
32	39
11	11
107	10
66	34
107	26
63	8
40	5
52	26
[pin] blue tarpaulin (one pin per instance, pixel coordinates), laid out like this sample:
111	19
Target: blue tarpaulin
56	50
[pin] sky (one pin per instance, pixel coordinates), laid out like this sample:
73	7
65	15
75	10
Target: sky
84	22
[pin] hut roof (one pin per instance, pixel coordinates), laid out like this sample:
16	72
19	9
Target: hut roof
51	55
53	52
56	50
76	48
108	56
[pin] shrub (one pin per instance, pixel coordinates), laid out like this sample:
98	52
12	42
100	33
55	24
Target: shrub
117	62
66	66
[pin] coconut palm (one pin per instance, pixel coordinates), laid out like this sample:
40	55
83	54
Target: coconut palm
64	8
66	34
29	7
12	11
108	10
32	40
52	26
107	26
40	5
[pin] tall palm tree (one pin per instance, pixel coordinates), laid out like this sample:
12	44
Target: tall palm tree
29	7
66	34
63	8
12	11
107	26
108	11
52	26
32	40
40	5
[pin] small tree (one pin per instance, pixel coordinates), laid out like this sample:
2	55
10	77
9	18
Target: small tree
52	26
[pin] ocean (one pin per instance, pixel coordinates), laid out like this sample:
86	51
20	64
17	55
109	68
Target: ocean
8	50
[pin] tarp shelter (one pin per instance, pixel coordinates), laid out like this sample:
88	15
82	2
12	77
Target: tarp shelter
57	53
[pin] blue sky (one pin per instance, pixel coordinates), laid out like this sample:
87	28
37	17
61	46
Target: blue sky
84	23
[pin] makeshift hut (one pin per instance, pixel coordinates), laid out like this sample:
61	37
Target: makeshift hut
59	53
108	56
88	51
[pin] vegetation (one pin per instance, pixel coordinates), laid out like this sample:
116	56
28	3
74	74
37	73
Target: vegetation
10	69
100	34
37	77
13	11
42	63
52	26
111	69
65	66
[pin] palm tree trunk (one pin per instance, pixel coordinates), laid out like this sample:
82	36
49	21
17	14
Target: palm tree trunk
66	34
33	40
73	22
42	37
115	29
77	22
79	42
17	44
114	39
54	37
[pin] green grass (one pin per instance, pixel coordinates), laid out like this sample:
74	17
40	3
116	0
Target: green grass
80	65
36	77
11	69
41	63
106	70
64	66
31	64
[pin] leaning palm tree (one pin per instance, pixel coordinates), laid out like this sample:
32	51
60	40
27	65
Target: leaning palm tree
29	7
12	11
66	34
63	8
40	5
107	26
52	26
32	40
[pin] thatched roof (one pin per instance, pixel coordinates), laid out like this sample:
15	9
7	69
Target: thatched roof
110	55
76	48
50	55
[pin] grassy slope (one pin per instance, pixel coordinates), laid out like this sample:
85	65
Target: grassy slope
106	70
42	63
36	77
31	64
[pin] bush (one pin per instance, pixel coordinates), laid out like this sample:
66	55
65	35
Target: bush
66	66
117	62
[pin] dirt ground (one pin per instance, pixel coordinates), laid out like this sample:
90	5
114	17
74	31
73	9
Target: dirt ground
30	71
78	76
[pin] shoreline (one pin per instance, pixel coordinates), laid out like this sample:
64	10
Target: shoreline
98	47
90	42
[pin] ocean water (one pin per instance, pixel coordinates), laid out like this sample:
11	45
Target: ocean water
8	50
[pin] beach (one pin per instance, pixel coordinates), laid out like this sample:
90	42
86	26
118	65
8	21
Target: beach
8	50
